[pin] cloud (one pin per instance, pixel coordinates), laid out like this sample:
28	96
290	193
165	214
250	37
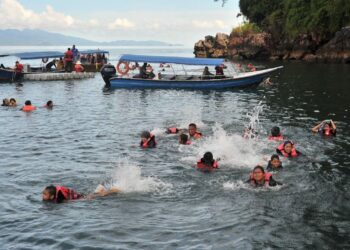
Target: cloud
209	24
121	23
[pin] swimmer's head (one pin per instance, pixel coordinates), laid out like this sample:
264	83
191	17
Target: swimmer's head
49	104
275	161
145	135
275	131
208	159
288	146
192	129
183	138
49	193
28	103
258	173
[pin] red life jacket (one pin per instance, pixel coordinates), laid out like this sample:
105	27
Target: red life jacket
327	131
197	135
146	143
28	108
78	68
188	142
173	130
267	178
19	68
68	194
202	166
68	56
276	138
294	152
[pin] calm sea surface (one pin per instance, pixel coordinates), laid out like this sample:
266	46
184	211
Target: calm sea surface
166	204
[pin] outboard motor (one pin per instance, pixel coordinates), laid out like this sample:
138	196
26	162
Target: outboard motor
108	71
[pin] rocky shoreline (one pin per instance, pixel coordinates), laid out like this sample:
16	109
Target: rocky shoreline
260	45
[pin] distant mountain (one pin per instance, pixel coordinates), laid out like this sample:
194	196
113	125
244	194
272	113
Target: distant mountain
43	38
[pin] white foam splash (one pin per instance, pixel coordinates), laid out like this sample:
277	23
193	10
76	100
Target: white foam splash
128	178
253	126
237	185
233	150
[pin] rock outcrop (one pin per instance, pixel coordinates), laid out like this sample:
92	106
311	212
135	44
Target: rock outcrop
307	47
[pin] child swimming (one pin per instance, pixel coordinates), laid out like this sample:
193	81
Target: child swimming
326	127
147	140
183	139
287	149
207	163
274	164
276	134
258	178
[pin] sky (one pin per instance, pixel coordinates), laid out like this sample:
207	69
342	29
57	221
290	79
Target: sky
173	21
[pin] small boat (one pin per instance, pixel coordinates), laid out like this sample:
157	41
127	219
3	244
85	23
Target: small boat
7	75
188	79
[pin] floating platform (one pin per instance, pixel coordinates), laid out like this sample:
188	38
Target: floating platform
57	76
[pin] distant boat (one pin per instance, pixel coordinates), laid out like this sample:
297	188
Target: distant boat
186	79
40	73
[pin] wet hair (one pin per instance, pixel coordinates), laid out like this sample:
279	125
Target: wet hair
183	138
68	48
12	100
145	134
208	159
274	156
49	103
193	125
28	102
275	131
51	189
286	142
259	167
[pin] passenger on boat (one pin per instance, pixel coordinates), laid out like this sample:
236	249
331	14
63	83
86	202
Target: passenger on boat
276	134
49	105
258	178
274	164
147	140
98	61
142	72
207	163
78	67
59	64
51	64
5	102
76	53
192	131
18	67
13	102
326	127
149	72
183	139
219	72
206	74
68	60
287	149
59	194
28	106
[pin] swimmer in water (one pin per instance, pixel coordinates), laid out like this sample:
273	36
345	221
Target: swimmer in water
13	102
183	139
49	105
28	106
192	131
326	127
276	134
207	163
147	140
59	194
258	178
287	149
274	164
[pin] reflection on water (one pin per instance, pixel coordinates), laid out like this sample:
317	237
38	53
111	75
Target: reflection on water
87	140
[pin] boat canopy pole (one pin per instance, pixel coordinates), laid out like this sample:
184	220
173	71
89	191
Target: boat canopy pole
173	69
183	67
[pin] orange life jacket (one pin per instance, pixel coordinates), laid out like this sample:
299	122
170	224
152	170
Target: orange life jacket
280	149
68	194
78	68
173	130
267	178
28	108
202	166
197	135
146	143
276	138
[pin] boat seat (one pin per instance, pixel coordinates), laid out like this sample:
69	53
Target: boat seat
189	78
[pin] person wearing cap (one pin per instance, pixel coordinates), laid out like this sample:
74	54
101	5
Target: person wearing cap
147	140
78	67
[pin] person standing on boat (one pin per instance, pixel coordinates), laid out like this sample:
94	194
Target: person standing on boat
219	72
18	71
68	60
76	53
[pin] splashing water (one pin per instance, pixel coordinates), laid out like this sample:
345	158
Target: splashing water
237	185
128	178
253	126
234	151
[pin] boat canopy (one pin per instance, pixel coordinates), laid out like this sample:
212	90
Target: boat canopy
38	55
94	51
171	59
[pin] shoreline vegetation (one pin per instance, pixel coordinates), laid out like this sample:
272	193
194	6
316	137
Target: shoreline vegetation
313	31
